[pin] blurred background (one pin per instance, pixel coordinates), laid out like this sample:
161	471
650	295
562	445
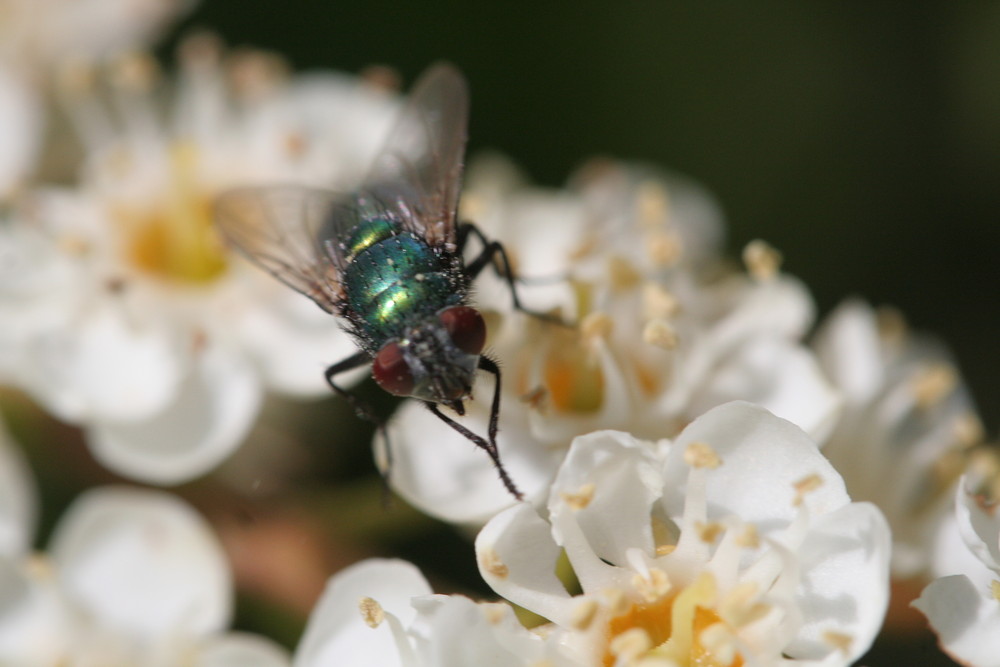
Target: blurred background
860	139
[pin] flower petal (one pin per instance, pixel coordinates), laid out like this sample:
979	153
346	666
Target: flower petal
21	118
293	342
242	650
844	590
608	475
36	626
211	414
337	633
446	475
104	367
763	459
980	527
517	558
144	563
966	619
17	499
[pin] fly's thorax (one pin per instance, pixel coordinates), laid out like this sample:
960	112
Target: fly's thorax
436	359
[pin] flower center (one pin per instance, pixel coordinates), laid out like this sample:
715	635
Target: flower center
680	626
174	239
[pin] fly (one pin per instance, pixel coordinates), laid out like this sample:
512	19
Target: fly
387	260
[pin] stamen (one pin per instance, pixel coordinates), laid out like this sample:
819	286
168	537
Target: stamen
762	261
701	455
653	586
653	204
371	612
749	538
621	274
709	531
596	326
660	334
804	486
995	589
584	613
580	499
932	384
719	642
489	560
630	644
658	302
839	640
664	248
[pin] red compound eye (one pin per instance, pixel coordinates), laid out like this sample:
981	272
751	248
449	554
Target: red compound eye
466	327
391	371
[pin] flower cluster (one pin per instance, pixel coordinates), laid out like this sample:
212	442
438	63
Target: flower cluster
704	484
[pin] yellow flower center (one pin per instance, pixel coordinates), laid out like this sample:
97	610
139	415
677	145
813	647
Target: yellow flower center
174	239
682	626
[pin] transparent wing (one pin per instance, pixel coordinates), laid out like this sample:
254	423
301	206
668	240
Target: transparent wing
419	169
290	231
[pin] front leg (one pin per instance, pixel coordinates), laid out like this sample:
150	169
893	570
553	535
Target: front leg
491	250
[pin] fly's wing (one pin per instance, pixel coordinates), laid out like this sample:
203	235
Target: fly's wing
291	232
419	169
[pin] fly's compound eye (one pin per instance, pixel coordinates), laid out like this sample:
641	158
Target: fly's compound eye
466	327
391	371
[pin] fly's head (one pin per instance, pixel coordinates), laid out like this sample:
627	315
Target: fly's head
436	359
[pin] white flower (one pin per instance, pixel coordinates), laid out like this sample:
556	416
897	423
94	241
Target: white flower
17	499
382	613
735	542
37	34
20	130
907	422
146	330
664	332
132	577
964	609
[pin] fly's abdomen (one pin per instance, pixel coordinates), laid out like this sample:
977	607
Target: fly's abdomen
393	279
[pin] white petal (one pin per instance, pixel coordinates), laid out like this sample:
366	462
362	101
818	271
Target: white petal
104	367
293	342
776	374
517	558
966	619
619	477
446	475
21	118
845	581
980	528
763	458
242	650
17	499
951	555
848	347
36	625
454	631
213	410
144	563
337	633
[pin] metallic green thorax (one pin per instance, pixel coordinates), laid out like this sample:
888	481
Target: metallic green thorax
394	278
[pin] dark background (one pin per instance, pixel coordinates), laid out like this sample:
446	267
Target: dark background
861	139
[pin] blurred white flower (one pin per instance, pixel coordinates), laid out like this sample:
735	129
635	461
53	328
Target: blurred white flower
382	613
964	607
132	577
735	544
665	331
17	499
37	34
147	330
906	425
20	130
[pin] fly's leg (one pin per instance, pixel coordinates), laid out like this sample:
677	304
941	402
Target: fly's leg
490	447
491	250
361	409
